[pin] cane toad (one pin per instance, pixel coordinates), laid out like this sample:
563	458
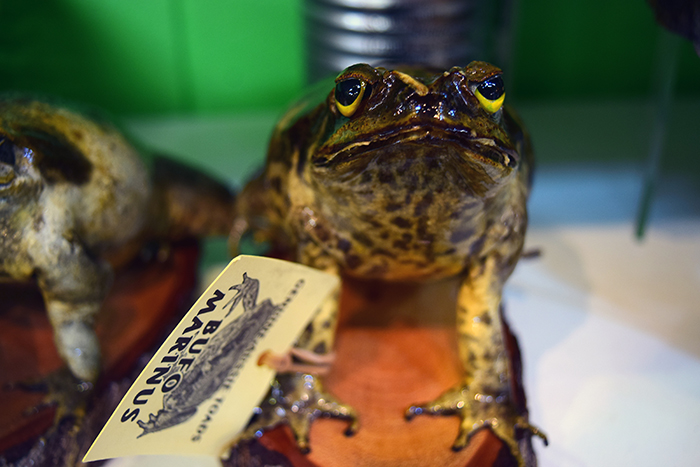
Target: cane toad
76	199
401	175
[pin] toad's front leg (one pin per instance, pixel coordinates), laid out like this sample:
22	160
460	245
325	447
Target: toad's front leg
483	399
74	284
297	396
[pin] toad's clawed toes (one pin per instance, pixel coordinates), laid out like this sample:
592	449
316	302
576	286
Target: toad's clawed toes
478	410
61	390
297	400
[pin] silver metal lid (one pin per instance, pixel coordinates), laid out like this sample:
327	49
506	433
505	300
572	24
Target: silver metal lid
440	33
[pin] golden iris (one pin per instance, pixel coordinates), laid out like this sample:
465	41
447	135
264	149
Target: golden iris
491	93
348	95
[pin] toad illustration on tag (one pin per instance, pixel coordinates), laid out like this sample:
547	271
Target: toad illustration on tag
218	364
201	387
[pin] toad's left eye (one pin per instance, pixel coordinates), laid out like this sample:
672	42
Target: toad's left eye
7	152
348	95
491	93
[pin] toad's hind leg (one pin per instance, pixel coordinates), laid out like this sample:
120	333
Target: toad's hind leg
484	398
297	398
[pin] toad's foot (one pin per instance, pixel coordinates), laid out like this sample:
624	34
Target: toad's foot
297	399
479	410
61	390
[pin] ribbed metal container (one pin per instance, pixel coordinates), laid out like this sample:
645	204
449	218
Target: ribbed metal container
440	33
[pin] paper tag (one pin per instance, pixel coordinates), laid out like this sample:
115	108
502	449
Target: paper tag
199	390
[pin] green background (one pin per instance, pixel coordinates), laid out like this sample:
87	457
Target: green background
155	56
136	57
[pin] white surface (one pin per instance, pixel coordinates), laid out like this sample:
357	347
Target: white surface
609	327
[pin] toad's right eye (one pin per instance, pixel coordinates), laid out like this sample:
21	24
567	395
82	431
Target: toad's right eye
349	94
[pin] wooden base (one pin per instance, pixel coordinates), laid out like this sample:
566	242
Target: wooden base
143	302
396	346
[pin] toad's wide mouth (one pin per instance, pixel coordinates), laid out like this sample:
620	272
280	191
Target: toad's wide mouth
481	149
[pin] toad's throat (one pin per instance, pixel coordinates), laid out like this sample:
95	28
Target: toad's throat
409	167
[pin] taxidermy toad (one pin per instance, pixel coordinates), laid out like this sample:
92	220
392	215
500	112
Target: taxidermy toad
401	175
76	200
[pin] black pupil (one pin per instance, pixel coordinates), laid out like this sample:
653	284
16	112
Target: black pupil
492	88
347	91
7	152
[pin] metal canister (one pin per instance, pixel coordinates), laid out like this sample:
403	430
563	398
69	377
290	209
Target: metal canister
440	33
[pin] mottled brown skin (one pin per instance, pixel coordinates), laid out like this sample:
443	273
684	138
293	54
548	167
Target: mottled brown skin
76	200
421	183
